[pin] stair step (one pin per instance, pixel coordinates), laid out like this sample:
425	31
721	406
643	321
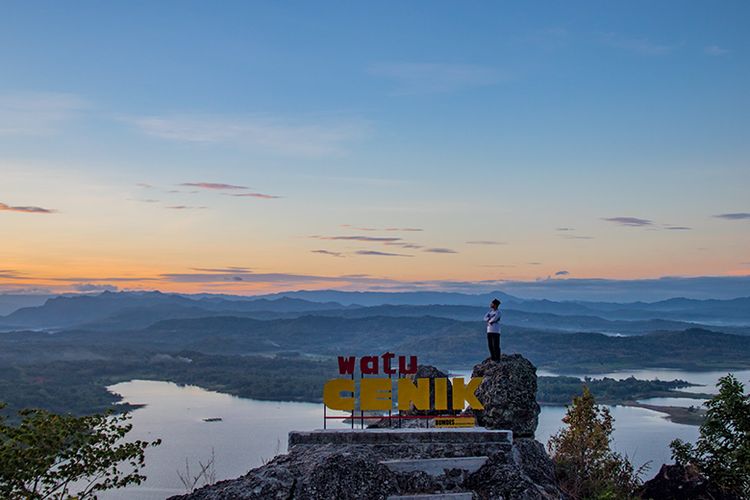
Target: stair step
436	466
465	495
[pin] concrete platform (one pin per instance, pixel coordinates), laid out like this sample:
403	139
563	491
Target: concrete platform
436	466
477	435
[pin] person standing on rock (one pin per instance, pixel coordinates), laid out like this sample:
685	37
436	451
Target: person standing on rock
492	318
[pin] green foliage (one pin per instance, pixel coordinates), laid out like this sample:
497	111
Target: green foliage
722	452
47	456
585	465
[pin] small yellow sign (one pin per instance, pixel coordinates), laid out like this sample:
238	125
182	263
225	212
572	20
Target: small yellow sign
455	422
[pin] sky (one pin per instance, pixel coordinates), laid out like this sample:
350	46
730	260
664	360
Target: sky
253	147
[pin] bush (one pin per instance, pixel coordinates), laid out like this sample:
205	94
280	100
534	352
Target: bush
585	465
43	455
722	452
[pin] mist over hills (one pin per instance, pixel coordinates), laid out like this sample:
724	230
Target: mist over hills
134	310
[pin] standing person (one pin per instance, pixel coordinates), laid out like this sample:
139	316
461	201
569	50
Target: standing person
492	318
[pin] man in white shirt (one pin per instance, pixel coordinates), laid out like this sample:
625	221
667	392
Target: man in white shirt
492	318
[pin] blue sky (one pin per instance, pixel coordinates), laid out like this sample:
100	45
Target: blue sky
526	141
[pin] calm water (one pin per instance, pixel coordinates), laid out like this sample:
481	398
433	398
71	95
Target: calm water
253	431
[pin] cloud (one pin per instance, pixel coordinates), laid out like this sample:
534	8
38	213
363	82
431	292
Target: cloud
254	195
377	239
714	50
212	185
565	229
562	273
403	244
328	252
144	185
576	237
381	254
37	113
485	242
629	221
640	45
26	209
91	287
678	228
280	279
413	78
10	274
392	229
439	250
229	269
288	137
734	216
185	207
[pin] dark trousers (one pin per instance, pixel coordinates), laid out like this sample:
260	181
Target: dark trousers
493	342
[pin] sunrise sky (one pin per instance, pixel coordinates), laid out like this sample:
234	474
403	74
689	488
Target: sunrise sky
250	147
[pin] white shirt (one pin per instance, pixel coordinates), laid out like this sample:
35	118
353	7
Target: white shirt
492	318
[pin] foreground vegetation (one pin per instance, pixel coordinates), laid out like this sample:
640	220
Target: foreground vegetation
60	456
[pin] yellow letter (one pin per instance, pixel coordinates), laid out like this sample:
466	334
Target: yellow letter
375	394
463	393
419	394
441	393
332	394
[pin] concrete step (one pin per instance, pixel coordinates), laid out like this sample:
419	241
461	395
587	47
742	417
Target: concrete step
400	436
465	495
435	466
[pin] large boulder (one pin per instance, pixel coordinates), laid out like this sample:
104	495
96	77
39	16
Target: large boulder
430	372
508	394
679	482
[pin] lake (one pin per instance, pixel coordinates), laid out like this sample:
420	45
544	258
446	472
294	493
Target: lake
252	432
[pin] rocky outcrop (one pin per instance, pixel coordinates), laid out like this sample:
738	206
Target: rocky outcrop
344	465
678	482
508	394
523	471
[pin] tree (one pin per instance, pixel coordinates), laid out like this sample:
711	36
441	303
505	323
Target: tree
46	455
722	452
585	465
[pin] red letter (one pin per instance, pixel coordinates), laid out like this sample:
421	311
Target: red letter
387	357
412	365
368	365
346	365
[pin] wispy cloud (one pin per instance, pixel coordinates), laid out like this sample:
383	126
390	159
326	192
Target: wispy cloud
562	273
403	244
430	78
36	113
254	195
714	50
734	216
94	287
26	209
377	253
213	185
641	45
485	242
185	207
288	137
392	229
328	252
576	237
565	229
439	250
678	228
229	269
379	239
629	221
144	185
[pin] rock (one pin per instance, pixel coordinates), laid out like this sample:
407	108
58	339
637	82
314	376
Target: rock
523	471
508	393
678	482
527	474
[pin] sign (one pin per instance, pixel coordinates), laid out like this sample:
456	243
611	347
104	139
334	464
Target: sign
455	422
376	393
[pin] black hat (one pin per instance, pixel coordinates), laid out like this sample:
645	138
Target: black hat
496	302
